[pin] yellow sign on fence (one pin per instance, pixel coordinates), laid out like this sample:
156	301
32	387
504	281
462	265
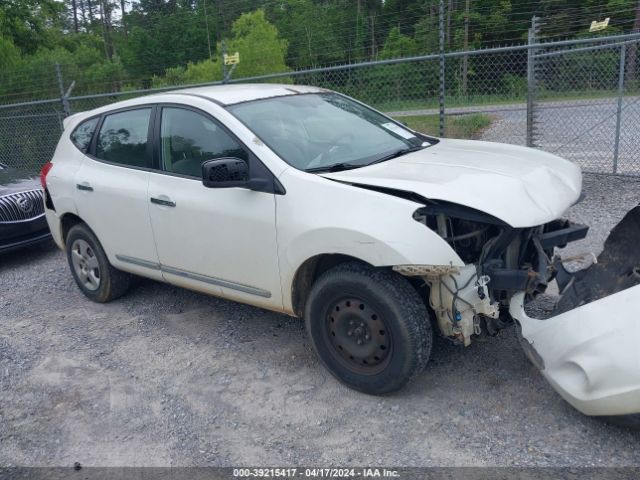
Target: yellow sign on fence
232	59
597	26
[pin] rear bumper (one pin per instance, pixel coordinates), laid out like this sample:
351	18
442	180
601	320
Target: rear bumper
14	235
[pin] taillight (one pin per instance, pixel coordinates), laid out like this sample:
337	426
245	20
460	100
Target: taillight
43	174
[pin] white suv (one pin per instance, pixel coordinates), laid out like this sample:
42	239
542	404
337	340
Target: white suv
304	201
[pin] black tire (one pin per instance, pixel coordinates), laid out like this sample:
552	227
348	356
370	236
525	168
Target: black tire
111	283
354	303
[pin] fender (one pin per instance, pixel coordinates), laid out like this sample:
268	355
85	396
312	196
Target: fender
342	219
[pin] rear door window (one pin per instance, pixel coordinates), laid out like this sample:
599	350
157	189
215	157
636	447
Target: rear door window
123	138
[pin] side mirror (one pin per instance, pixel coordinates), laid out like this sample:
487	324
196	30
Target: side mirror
225	173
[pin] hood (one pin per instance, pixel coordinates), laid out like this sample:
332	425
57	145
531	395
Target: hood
13	181
521	186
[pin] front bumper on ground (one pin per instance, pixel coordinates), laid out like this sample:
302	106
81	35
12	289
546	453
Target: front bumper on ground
589	350
591	354
14	235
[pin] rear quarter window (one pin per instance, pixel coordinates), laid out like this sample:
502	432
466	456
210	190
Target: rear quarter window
82	135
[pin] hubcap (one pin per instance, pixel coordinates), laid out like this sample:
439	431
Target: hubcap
358	336
85	264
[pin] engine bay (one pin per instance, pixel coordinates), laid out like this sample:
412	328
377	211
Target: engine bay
500	261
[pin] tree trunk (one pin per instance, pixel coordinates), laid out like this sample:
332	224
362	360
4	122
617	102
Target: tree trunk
449	12
83	15
309	33
90	9
124	22
372	21
105	17
74	11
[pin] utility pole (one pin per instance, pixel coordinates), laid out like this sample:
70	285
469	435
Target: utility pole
206	22
465	59
531	81
632	55
442	65
124	22
224	64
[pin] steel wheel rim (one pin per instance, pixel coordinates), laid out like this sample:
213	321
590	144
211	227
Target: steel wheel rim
85	264
358	336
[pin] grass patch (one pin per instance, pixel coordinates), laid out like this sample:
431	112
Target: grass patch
450	102
456	126
485	100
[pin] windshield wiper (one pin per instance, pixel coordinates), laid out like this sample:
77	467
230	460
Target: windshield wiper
339	167
336	167
396	154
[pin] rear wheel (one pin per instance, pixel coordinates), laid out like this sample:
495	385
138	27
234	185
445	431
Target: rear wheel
369	327
90	267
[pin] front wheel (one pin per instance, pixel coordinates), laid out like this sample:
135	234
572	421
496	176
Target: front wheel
369	327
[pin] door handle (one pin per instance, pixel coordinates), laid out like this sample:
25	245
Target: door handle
84	186
165	202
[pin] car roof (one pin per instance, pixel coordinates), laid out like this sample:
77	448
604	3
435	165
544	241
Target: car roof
220	94
245	92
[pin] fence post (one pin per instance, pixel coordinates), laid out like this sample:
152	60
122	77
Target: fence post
616	147
442	62
531	81
63	96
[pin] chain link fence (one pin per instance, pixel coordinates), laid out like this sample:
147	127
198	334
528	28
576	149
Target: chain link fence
564	97
29	133
587	106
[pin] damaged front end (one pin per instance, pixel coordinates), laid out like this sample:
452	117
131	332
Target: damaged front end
587	348
500	261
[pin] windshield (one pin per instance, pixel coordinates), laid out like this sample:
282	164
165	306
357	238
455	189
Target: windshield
316	132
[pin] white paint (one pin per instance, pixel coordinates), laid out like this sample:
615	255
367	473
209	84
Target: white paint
590	353
521	186
260	240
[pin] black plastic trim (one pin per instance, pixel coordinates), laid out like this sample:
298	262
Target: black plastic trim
507	279
562	237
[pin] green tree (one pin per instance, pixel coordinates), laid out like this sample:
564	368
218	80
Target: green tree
158	41
27	23
398	45
261	49
9	54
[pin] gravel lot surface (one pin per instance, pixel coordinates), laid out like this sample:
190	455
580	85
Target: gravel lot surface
165	377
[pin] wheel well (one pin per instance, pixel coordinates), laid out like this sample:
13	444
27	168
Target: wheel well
67	221
313	267
309	271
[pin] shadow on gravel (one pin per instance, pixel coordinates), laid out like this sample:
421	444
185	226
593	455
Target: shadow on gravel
27	255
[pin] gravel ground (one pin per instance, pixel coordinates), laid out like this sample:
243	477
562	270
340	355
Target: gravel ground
166	377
